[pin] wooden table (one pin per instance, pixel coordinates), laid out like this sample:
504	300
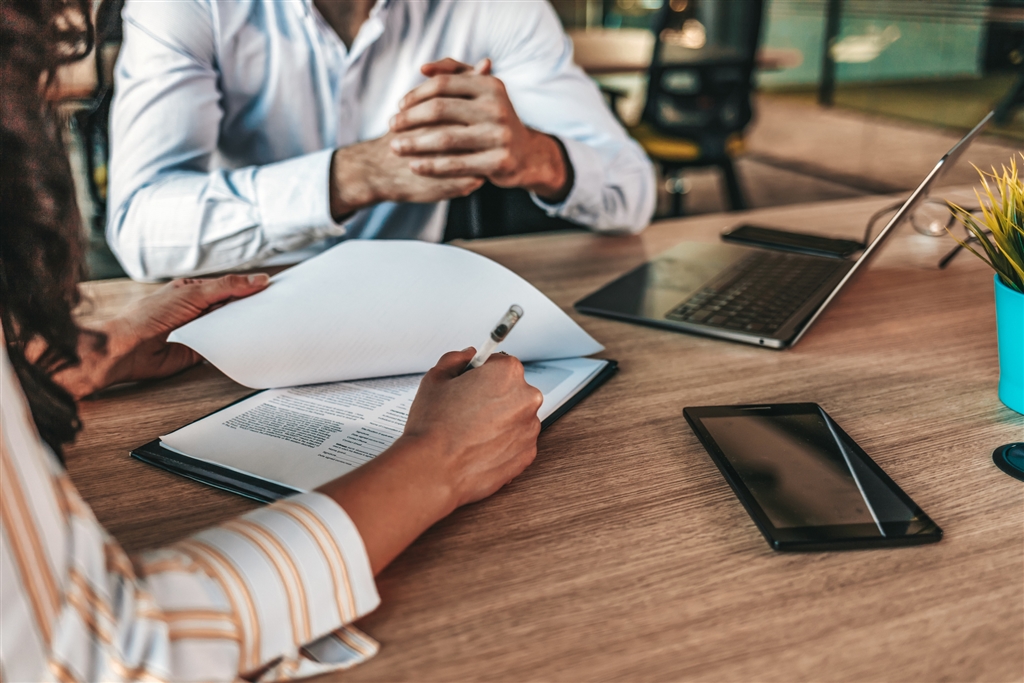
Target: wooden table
621	553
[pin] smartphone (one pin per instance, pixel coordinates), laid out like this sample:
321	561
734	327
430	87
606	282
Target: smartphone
800	242
806	484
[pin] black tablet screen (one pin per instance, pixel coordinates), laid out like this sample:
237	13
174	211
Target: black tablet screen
800	475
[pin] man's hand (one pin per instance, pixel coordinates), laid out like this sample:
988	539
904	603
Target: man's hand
137	346
368	173
460	123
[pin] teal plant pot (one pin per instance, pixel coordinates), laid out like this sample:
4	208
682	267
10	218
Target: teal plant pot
1010	331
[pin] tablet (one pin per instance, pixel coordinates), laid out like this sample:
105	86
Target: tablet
807	484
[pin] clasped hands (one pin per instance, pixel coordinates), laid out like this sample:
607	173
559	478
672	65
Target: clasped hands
452	132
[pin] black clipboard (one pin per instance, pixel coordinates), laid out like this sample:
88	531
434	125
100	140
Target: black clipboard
243	484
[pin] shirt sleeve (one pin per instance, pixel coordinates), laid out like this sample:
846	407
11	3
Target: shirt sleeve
170	211
278	585
614	185
273	592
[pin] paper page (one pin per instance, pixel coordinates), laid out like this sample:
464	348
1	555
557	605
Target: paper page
303	437
377	308
560	380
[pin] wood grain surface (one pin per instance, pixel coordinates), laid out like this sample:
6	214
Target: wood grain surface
622	554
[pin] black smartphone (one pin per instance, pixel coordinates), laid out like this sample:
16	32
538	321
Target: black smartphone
800	242
807	484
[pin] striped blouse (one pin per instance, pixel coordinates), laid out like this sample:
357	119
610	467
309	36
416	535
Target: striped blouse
275	587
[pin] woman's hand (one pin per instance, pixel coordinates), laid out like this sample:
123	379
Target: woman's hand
137	346
467	436
483	423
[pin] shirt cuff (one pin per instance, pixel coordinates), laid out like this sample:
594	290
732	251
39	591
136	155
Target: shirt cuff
295	202
583	203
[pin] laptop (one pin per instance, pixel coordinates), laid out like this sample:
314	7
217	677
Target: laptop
759	296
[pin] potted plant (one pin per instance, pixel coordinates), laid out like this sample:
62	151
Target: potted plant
999	230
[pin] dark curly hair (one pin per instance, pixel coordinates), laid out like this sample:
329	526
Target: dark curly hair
41	238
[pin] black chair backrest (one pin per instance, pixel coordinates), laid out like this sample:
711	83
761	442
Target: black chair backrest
495	211
701	73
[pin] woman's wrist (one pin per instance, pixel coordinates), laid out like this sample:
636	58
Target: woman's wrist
396	496
415	465
424	456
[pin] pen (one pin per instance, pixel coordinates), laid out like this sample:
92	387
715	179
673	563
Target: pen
498	334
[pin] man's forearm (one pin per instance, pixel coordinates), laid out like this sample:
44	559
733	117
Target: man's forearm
350	181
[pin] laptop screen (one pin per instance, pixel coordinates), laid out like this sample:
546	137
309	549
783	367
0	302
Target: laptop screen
947	161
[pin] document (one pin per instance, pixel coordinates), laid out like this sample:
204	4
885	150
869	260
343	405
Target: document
339	345
378	308
303	437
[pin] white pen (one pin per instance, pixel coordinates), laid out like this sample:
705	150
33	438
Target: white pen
498	335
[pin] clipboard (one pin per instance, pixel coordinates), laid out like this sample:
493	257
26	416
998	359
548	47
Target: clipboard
265	491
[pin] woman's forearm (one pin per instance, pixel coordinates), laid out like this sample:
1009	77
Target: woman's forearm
395	497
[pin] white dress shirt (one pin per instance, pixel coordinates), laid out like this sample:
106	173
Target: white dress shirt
275	587
226	115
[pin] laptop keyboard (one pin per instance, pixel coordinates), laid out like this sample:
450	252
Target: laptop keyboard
758	293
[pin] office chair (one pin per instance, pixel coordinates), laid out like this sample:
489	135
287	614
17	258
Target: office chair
1014	97
699	90
493	211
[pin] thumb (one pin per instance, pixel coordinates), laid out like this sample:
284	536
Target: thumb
453	363
221	289
444	66
483	67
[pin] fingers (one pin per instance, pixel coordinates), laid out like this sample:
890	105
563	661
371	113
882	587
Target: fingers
453	66
436	189
211	291
449	188
438	110
492	163
444	66
446	139
513	368
453	363
445	85
507	371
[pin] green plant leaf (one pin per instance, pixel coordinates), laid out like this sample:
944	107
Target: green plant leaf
1000	230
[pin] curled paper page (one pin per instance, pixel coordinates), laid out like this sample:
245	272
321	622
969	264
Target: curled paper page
375	308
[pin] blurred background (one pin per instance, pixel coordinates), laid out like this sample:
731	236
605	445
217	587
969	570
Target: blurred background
741	103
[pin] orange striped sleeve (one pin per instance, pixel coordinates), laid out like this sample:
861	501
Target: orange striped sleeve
26	549
295	574
218	568
284	564
339	576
